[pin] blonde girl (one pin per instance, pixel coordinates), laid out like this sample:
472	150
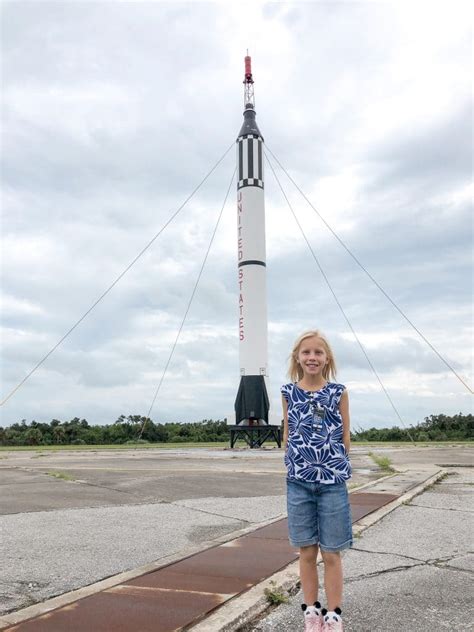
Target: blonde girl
317	443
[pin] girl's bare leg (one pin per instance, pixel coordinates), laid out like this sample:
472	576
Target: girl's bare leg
332	579
309	573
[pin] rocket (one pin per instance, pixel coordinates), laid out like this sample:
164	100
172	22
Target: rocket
251	404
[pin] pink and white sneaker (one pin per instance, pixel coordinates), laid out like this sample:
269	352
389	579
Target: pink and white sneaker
313	620
332	622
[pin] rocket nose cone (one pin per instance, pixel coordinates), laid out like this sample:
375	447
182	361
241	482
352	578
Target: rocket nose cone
249	125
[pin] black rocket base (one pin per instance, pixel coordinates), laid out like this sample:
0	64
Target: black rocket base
252	406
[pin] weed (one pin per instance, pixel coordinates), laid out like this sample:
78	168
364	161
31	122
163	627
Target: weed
275	595
383	462
62	475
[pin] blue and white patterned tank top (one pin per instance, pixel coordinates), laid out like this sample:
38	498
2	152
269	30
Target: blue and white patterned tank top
315	451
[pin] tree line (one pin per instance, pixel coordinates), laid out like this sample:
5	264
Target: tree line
434	428
123	430
129	430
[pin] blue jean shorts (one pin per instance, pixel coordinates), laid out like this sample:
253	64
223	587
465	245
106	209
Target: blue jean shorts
319	514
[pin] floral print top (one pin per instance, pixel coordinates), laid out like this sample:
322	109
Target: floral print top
315	451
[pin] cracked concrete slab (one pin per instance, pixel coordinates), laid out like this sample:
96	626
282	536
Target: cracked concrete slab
419	532
30	492
359	564
400	483
411	599
252	510
464	475
454	497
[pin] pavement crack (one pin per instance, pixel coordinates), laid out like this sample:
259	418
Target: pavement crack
110	489
441	562
76	480
391	553
394	569
454	569
211	513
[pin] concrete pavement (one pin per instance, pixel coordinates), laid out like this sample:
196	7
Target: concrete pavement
123	498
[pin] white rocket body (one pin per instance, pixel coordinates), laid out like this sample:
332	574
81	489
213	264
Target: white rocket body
252	400
251	259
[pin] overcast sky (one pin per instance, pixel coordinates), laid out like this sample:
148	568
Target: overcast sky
113	112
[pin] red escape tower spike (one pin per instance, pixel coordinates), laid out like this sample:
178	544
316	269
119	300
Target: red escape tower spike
249	97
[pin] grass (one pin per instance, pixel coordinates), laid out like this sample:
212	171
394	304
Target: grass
382	461
61	475
275	595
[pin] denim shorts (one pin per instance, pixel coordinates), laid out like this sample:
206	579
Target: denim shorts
319	514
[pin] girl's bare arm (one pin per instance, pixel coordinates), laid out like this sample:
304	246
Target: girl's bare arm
285	421
346	421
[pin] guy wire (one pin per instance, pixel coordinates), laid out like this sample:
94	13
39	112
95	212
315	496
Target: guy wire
346	248
339	304
188	307
116	280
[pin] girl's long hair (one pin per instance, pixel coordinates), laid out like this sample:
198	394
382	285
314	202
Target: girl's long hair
295	371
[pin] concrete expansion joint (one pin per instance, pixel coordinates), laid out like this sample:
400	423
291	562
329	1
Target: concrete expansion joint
110	489
452	465
442	508
37	470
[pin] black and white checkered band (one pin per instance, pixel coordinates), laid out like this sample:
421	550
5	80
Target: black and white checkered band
249	136
250	182
250	161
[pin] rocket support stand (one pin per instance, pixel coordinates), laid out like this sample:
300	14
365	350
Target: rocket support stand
255	436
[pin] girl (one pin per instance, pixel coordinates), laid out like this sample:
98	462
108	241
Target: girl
317	441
